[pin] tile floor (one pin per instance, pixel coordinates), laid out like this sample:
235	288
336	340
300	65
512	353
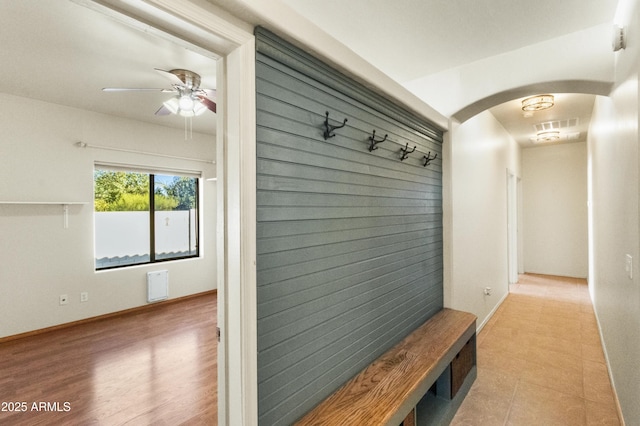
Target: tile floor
540	360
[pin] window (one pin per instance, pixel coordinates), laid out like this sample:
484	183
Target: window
144	217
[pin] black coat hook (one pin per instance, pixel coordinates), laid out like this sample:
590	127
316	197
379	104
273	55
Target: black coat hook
328	132
375	142
405	151
428	158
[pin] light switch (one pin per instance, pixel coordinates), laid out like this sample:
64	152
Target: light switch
629	266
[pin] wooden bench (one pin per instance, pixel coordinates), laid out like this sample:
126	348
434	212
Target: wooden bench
423	378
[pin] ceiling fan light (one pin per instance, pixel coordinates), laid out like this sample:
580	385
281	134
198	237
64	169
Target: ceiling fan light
199	108
187	113
186	103
537	103
172	105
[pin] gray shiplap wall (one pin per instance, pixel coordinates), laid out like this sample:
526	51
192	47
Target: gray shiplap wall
349	242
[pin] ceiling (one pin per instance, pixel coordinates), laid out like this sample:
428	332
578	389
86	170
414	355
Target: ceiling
65	53
411	39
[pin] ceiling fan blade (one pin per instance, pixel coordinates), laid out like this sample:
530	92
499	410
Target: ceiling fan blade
209	93
134	89
174	78
208	103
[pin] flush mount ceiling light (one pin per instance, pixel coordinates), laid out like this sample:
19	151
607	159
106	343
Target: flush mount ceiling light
537	103
547	136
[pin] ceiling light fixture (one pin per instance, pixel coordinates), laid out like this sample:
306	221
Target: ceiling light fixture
547	136
185	105
537	103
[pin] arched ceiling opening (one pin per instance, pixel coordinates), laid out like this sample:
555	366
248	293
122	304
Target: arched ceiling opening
569	117
602	88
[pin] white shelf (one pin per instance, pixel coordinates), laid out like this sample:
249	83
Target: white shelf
61	203
65	206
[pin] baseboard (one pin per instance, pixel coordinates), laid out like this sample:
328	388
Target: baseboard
493	311
606	358
125	312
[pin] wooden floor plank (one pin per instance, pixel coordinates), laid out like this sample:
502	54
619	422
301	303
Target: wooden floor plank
157	366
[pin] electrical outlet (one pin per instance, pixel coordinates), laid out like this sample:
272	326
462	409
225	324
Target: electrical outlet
64	299
487	291
84	296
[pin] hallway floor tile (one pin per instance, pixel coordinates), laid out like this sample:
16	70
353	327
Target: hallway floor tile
540	360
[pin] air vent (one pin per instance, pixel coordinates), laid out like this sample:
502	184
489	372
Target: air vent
555	125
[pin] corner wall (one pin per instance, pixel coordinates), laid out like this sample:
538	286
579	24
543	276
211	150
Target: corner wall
614	197
482	151
40	258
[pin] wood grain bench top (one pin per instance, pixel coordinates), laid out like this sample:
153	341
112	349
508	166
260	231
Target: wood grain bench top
404	373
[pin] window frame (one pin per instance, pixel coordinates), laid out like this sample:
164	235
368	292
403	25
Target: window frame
152	173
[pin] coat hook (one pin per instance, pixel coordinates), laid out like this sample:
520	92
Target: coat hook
328	133
375	142
405	151
428	158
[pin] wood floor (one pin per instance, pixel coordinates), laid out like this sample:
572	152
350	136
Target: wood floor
156	367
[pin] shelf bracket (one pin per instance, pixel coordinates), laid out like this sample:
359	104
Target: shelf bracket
65	216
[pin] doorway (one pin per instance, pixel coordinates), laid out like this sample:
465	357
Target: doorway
200	24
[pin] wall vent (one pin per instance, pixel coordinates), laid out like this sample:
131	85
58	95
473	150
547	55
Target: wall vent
157	286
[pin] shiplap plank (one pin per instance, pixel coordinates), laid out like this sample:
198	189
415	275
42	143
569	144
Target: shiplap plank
293	290
301	228
281	251
334	263
339	163
291	184
310	303
283	198
297	291
276	167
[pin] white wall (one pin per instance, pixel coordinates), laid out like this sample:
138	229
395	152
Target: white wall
481	154
40	258
554	191
615	216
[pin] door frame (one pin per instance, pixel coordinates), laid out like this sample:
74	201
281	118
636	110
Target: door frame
232	43
512	227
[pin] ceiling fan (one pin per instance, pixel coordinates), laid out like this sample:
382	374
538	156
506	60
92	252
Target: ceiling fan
190	99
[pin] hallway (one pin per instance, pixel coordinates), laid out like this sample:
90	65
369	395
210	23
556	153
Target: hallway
540	360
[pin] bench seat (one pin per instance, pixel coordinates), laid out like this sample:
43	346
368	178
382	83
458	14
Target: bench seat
386	391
